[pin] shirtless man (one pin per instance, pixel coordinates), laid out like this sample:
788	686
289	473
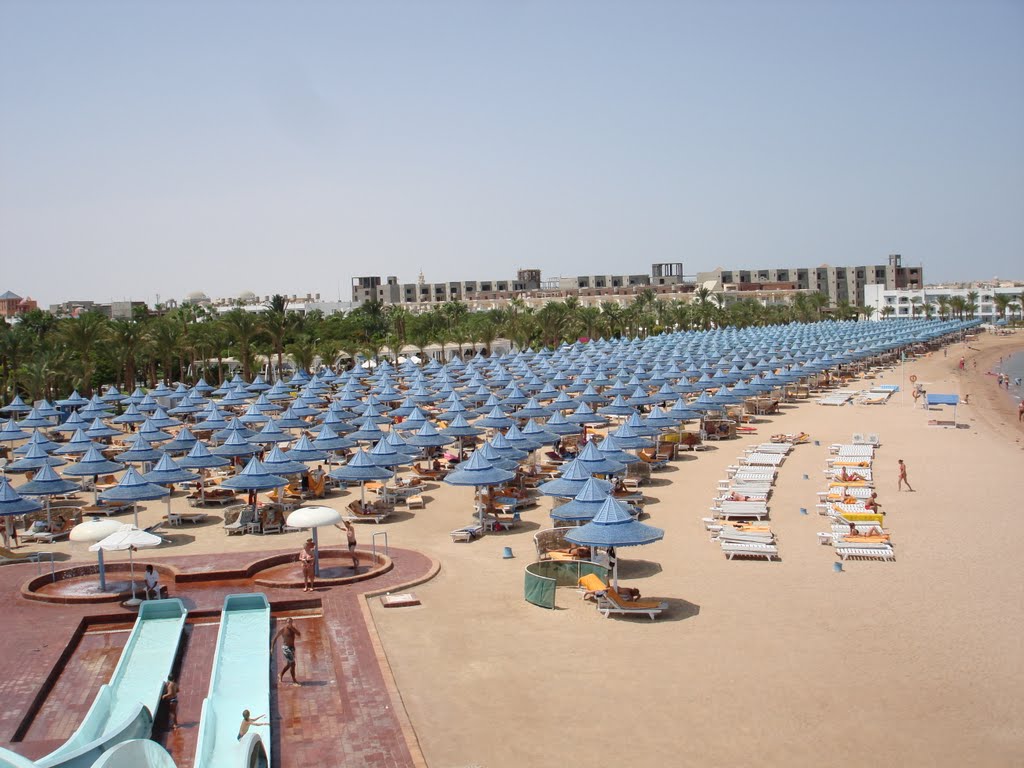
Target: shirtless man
287	633
1020	411
306	559
248	722
871	504
350	536
171	697
903	477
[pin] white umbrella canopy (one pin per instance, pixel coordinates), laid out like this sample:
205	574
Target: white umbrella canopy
131	538
92	531
314	517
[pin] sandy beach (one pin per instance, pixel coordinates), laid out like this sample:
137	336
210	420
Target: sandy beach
919	661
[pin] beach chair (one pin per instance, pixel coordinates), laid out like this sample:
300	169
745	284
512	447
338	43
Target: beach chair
467	532
732	549
242	523
727	533
177	518
609	601
415	502
741	509
867	551
8	557
377	512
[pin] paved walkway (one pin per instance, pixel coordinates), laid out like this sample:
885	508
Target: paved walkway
345	707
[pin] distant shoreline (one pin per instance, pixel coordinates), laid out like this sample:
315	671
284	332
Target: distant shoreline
996	407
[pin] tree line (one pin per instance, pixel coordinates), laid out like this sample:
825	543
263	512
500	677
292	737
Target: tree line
45	356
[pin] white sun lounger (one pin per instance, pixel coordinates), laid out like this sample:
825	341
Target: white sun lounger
730	534
870	551
849	451
764	459
756	510
783	448
754	475
467	532
861	492
842	399
745	549
835	474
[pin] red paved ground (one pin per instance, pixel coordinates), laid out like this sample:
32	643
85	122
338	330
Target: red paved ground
343	712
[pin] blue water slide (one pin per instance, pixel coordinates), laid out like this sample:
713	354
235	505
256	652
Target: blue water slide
123	708
240	680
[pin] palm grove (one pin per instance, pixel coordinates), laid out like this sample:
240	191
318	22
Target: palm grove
43	356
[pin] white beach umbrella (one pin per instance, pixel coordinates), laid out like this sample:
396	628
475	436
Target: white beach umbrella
131	538
314	517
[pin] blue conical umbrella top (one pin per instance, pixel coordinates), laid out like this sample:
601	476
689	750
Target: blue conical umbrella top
255	477
360	468
11	502
614	526
167	472
133	487
477	472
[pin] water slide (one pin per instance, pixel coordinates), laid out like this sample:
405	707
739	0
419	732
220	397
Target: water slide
240	680
124	707
137	753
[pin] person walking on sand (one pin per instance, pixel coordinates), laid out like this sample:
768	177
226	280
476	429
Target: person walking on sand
903	477
171	697
1020	415
306	559
350	535
287	633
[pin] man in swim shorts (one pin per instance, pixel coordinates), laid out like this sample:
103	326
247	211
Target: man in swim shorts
171	697
287	633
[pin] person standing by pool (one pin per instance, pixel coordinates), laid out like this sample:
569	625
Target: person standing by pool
287	633
903	477
171	697
350	536
306	559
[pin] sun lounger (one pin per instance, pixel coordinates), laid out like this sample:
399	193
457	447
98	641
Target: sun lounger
753	475
849	451
8	557
512	503
467	532
737	535
501	522
753	493
609	601
415	502
763	459
356	513
837	492
838	399
870	551
733	549
243	523
780	447
212	496
46	537
177	518
860	517
741	509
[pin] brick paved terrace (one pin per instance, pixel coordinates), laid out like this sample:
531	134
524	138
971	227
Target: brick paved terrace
345	705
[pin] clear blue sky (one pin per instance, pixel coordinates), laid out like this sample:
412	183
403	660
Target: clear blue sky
164	147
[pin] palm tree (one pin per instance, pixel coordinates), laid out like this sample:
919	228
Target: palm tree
126	341
164	336
243	330
888	311
705	307
82	336
1002	302
589	321
943	302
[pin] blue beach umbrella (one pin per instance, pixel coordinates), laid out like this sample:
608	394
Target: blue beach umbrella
39	440
181	443
133	488
614	526
571	481
304	450
255	477
74	422
585	504
17	405
11	433
98	430
34	458
131	415
139	451
35	420
478	472
278	462
360	469
92	464
46	483
168	472
596	463
77	445
235	446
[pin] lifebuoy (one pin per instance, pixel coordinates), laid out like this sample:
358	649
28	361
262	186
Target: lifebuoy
913	378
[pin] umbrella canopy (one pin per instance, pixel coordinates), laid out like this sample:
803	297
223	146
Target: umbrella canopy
477	472
313	517
574	476
11	502
181	443
427	436
140	451
133	487
92	531
596	462
201	458
236	445
34	458
303	450
585	504
167	472
46	482
98	429
17	405
255	477
92	463
10	432
77	445
614	526
360	468
278	462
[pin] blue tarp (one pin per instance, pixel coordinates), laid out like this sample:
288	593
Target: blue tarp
943	399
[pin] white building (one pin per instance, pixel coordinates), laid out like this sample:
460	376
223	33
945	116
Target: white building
908	302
